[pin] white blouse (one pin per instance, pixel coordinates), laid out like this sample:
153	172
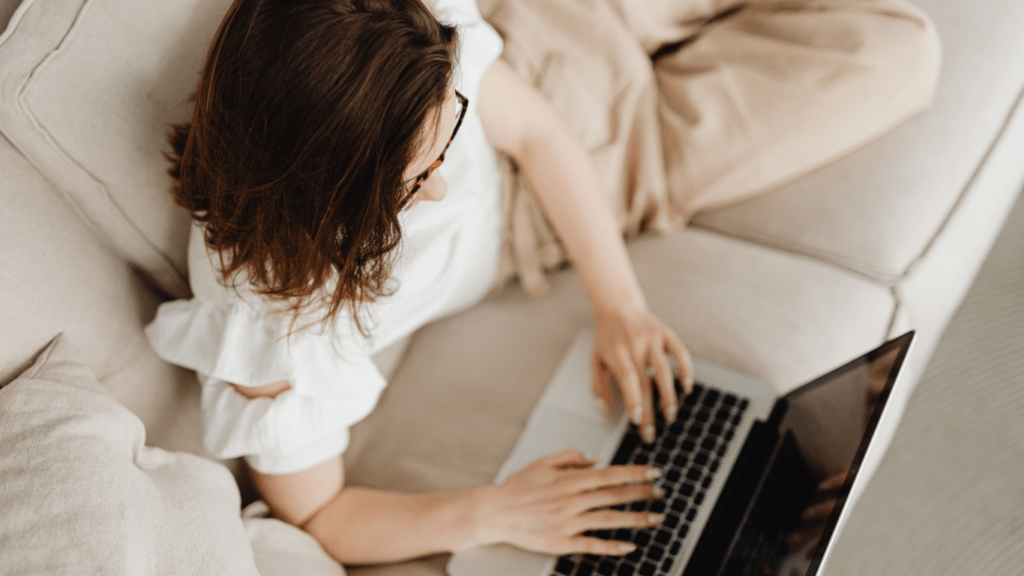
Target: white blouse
448	260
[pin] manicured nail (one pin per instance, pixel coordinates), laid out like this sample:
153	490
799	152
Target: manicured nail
649	433
688	384
590	457
602	406
627	547
653	473
658	492
655	518
638	414
671	412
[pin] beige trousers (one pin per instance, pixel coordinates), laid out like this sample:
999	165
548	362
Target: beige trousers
695	104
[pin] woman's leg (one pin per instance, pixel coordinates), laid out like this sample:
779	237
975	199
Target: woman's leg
774	89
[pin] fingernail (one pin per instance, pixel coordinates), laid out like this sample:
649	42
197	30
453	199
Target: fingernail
688	383
649	433
659	492
638	414
589	457
653	473
655	518
671	412
601	406
627	547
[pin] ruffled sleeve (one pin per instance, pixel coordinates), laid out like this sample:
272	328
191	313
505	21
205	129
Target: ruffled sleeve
233	343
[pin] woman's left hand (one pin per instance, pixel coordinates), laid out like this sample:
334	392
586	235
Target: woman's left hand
629	342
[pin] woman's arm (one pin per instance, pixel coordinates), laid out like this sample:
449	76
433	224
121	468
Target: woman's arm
545	507
520	122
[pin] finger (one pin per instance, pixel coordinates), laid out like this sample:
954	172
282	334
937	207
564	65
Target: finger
679	351
609	519
591	545
606	497
647	430
601	386
596	479
567	459
666	386
627	375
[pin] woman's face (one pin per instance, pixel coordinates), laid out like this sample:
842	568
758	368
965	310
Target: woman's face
437	134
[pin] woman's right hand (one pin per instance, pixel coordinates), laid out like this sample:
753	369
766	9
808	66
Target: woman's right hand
547	506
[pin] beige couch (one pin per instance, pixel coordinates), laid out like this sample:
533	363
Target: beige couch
784	287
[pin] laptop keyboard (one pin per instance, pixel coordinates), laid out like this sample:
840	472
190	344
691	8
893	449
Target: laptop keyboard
689	453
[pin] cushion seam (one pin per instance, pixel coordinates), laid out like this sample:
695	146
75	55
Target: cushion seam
52	143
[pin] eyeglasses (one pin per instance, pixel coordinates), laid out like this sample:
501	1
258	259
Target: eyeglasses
418	183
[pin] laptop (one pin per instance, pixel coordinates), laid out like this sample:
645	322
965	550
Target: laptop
756	483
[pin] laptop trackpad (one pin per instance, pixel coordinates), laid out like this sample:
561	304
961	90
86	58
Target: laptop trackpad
553	429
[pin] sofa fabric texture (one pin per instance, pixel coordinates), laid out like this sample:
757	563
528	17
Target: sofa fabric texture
782	286
81	492
87	92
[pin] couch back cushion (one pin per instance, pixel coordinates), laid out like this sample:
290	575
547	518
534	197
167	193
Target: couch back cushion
87	89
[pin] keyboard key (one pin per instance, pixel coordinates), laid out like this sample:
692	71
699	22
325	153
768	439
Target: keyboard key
728	433
714	465
699	498
624	534
680	460
666	564
671	520
640	459
706	483
655	553
626	569
711	398
674	548
606	568
708	444
721	450
743	404
695	430
702	458
679	505
647	569
702	415
677	427
729	400
686	489
642	538
564	566
633	557
693	474
661	459
663	537
691	514
736	419
715	429
687	445
672	476
585	569
723	413
658	506
682	532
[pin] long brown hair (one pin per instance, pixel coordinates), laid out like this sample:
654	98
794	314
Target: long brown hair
306	117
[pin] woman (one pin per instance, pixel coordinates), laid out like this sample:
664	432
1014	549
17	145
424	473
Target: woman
313	169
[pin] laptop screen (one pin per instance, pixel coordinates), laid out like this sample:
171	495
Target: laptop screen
824	435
